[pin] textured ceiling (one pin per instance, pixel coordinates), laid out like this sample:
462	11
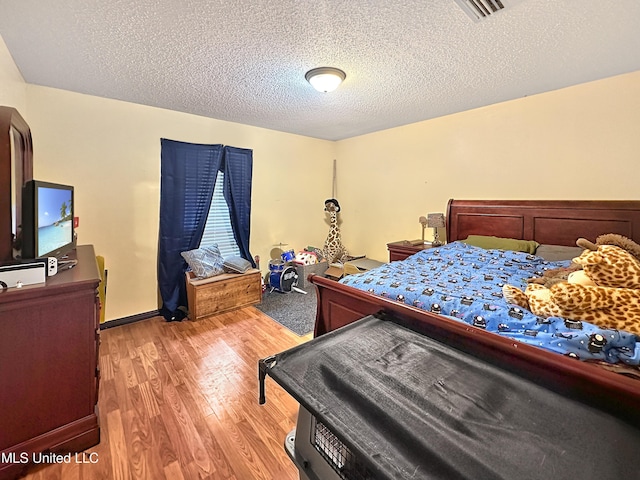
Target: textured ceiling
244	61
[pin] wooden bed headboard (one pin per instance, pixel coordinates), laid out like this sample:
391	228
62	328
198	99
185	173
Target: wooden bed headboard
554	222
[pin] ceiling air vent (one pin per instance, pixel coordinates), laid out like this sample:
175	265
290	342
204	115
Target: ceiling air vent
481	9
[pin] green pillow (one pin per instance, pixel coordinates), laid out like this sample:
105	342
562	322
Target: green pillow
499	243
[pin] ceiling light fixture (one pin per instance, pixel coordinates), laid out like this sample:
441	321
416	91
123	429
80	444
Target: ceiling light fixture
325	79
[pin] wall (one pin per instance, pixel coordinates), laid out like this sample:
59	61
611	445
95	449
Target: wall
110	151
577	143
580	142
13	89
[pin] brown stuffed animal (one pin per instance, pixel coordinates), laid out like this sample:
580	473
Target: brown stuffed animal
555	275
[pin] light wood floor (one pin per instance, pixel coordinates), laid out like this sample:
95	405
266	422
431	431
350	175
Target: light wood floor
180	401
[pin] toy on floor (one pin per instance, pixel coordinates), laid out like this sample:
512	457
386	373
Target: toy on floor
613	302
333	249
305	258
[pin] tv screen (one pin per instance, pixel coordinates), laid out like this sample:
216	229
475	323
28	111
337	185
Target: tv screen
47	220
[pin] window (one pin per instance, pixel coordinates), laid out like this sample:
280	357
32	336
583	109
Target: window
217	229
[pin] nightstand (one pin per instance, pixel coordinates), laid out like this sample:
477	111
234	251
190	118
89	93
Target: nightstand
405	248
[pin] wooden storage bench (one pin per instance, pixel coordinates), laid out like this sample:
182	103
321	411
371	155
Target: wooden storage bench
222	293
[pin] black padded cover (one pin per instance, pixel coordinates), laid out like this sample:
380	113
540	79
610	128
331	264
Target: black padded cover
414	408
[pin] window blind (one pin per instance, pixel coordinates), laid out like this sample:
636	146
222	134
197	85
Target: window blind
218	227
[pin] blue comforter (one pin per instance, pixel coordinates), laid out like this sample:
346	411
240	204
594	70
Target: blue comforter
465	283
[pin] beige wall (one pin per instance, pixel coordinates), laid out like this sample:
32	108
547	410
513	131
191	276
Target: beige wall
580	142
13	89
110	152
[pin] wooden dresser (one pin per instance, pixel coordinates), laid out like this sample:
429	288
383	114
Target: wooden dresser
49	376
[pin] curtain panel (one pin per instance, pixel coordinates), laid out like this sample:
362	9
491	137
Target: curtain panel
238	172
187	180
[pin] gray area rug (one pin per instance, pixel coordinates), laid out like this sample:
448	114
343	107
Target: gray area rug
293	310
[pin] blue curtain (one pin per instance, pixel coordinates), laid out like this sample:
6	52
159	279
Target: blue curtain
187	178
238	170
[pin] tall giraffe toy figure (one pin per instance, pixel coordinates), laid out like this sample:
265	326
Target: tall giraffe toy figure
333	249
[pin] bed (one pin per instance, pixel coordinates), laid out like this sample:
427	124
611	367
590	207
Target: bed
602	384
389	390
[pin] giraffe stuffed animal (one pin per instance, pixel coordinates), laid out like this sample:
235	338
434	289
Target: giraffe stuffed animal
333	249
611	301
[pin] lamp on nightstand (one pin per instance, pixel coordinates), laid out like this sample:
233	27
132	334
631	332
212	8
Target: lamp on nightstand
435	221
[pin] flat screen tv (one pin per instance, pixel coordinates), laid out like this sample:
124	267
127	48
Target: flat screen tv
47	220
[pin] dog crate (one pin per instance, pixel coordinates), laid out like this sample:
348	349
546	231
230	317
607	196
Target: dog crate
319	454
402	405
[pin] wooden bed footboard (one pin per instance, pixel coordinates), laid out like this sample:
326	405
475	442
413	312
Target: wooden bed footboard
339	305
